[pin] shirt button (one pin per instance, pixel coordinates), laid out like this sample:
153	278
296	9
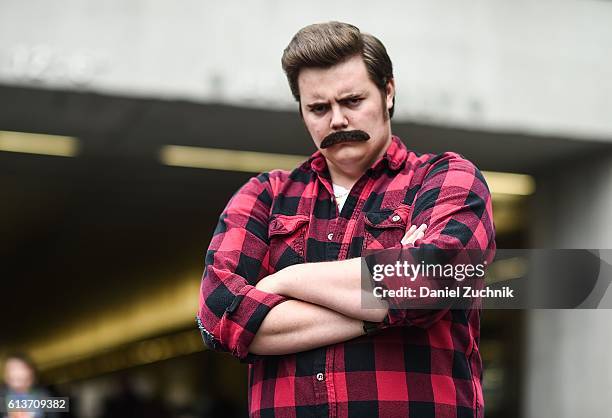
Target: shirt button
330	236
395	218
320	377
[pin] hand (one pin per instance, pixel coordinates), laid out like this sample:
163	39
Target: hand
413	234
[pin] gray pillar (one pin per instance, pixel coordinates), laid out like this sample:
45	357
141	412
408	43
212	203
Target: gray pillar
569	352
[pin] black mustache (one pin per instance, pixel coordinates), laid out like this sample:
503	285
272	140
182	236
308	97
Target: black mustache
344	136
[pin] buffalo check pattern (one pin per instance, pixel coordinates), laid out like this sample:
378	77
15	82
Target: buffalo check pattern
419	363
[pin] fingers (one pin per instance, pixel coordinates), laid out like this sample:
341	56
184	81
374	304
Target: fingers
408	235
420	232
407	239
413	234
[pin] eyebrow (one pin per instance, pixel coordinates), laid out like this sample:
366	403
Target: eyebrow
351	95
315	104
343	97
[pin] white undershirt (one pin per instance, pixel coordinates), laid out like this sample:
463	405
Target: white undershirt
341	194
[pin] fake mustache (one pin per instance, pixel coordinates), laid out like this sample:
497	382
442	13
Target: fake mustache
344	136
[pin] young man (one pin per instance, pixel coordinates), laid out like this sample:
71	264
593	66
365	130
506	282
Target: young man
20	384
282	284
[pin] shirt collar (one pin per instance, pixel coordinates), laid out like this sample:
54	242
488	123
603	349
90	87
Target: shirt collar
394	157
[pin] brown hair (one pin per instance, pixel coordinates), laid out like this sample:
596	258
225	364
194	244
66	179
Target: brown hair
324	45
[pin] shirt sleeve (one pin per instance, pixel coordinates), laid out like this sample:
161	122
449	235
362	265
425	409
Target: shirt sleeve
455	203
231	309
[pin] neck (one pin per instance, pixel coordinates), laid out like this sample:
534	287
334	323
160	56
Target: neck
345	181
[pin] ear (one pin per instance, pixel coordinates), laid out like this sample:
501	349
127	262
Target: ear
390	93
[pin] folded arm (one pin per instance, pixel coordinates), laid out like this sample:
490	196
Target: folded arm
243	311
455	204
295	326
333	312
235	316
332	284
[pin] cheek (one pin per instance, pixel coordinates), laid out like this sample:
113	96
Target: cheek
316	128
369	118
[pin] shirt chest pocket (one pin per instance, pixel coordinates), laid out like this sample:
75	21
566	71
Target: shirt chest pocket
385	228
287	235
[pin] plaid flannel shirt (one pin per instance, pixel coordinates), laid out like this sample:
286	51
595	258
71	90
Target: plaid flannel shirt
421	363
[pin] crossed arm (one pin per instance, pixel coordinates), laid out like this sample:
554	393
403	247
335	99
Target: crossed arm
241	312
327	306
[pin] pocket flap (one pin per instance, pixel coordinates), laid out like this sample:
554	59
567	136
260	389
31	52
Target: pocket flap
286	224
389	218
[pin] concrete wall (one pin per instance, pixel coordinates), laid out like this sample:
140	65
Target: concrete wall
532	66
573	205
569	361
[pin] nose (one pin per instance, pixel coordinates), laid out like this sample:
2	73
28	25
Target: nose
338	119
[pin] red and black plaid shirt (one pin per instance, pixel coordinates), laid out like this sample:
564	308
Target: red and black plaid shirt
422	363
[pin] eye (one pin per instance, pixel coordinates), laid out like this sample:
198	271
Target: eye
318	109
354	101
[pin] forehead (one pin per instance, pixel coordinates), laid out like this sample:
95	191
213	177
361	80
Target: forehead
349	76
15	363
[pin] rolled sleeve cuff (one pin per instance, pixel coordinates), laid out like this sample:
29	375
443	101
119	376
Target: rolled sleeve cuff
243	317
393	318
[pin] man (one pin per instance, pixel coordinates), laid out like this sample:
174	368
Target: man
20	384
282	284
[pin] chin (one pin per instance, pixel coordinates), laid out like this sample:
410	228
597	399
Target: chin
347	152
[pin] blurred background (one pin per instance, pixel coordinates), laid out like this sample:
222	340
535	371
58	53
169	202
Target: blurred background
125	126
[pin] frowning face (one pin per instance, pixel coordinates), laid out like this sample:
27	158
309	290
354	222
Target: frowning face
346	114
